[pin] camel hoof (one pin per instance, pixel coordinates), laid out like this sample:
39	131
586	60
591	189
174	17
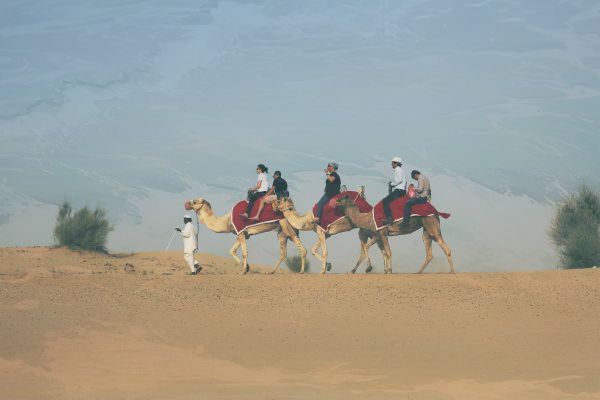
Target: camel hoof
245	270
369	269
323	272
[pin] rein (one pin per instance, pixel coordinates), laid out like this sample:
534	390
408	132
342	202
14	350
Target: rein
198	225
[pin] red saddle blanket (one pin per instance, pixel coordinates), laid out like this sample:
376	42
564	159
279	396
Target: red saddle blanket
241	224
397	208
332	214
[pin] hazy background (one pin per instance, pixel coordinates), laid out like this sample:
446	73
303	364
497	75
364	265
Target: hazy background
136	106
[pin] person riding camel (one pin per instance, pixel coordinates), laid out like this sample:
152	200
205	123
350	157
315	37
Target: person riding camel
333	185
398	186
423	191
278	191
261	188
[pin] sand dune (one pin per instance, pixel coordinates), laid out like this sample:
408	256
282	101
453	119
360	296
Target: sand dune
78	326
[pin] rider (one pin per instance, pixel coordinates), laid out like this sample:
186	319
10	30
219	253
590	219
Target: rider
423	191
398	186
333	185
279	190
258	191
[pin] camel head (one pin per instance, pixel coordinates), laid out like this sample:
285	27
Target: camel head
197	205
284	204
344	202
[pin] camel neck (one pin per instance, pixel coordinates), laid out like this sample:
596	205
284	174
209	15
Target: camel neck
301	222
358	219
215	223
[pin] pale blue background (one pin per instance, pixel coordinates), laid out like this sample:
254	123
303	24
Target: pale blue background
138	105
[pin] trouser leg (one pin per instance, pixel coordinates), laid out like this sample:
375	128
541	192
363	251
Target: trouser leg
320	205
387	200
252	199
408	206
189	259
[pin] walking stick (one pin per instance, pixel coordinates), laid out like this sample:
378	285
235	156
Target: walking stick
170	241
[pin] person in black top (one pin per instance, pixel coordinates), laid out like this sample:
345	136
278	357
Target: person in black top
277	191
332	188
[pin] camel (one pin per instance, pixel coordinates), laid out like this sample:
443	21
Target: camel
224	224
431	230
305	223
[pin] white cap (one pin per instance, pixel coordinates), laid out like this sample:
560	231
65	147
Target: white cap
397	159
187	216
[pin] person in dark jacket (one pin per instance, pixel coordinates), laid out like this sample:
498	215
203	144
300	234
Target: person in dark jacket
333	185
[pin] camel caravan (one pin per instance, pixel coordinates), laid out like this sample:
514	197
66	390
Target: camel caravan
405	210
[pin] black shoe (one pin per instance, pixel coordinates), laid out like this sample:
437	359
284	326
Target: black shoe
198	268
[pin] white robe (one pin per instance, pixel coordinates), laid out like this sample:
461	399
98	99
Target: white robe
189	238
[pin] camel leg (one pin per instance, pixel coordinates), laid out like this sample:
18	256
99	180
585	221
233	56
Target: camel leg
381	248
288	232
245	266
447	251
323	241
301	250
434	230
387	254
233	251
315	249
372	240
362	236
283	239
369	264
428	251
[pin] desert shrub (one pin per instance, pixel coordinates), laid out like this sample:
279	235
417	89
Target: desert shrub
575	229
294	264
83	229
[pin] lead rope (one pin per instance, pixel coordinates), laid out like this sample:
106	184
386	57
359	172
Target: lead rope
197	231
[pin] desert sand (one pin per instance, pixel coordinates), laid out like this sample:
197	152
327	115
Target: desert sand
79	326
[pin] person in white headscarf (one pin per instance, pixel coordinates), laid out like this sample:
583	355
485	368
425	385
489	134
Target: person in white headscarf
397	186
190	244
